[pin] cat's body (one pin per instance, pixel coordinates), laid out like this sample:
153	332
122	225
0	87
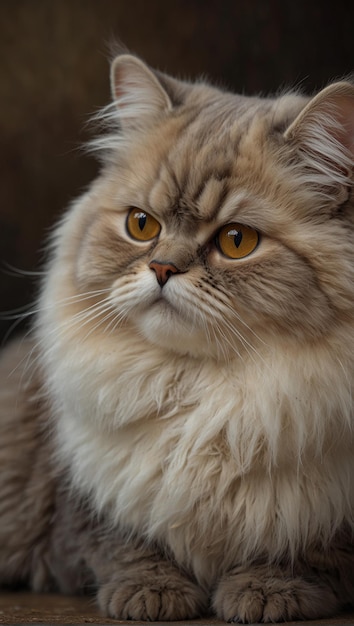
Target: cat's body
188	404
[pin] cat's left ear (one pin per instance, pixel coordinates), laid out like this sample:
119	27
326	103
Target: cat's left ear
137	93
324	134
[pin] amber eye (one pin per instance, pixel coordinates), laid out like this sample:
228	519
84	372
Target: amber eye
237	241
141	225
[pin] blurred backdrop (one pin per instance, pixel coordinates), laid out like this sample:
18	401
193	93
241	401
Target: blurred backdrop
54	74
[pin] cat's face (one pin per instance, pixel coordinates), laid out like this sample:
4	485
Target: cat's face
203	233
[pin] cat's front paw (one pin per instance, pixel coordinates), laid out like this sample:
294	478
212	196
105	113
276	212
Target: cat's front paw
264	594
169	598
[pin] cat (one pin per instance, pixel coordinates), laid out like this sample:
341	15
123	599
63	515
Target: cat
177	430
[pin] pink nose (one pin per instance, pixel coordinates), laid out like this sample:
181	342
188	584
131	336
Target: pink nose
163	271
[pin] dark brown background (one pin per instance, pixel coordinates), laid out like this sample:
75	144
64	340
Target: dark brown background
54	73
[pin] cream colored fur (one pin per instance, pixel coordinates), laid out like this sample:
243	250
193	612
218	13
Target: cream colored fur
213	417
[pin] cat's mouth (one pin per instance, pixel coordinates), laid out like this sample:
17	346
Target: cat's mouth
167	324
165	313
163	304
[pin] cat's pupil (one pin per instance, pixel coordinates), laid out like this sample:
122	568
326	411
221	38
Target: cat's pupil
141	220
237	235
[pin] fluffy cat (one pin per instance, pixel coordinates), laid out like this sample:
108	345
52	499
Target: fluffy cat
178	430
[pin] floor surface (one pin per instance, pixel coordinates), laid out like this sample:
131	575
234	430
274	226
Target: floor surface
46	609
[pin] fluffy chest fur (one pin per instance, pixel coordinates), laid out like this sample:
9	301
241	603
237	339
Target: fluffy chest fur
217	463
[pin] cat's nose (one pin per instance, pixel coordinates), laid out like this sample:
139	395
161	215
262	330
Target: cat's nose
163	271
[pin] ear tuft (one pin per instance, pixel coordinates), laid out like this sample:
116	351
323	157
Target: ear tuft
324	134
137	93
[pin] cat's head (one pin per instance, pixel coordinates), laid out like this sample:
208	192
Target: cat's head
218	221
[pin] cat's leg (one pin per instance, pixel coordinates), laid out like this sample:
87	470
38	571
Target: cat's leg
267	593
135	582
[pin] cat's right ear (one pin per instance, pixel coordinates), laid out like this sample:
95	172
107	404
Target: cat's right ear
324	136
137	93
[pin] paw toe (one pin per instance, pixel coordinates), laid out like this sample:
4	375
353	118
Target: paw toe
153	602
250	598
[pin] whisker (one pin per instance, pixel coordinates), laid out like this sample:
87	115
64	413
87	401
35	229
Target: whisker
220	344
115	322
250	349
12	270
220	311
225	303
93	308
242	321
99	323
9	315
26	358
82	318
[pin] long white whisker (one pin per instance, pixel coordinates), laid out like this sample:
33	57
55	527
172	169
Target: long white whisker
8	315
115	321
86	313
219	310
110	313
221	345
81	318
249	348
221	303
12	270
242	321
